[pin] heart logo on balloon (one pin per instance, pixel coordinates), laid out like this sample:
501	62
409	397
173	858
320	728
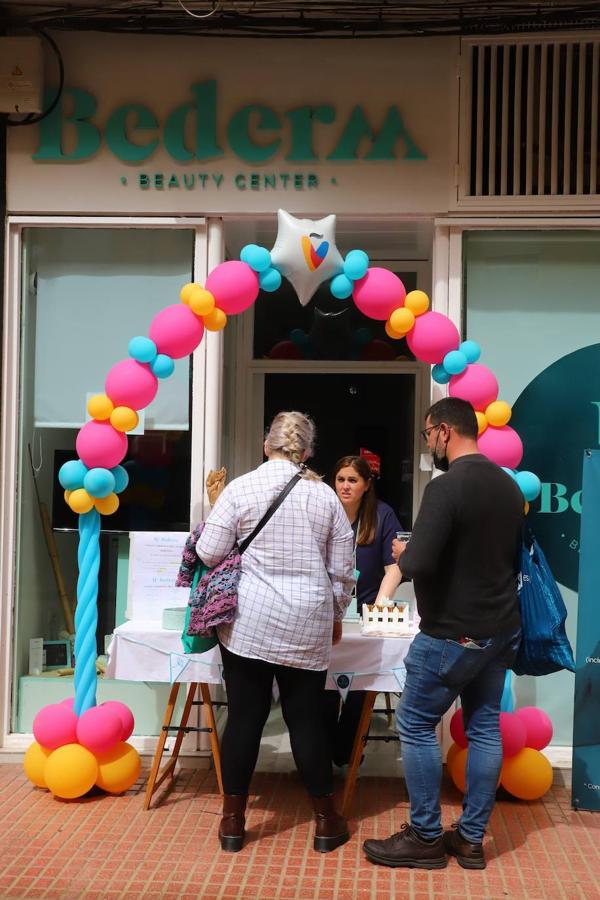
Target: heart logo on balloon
314	257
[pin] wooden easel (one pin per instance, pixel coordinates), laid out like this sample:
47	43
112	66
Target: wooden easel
362	736
157	776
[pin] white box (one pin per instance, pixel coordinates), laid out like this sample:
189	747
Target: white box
36	656
21	78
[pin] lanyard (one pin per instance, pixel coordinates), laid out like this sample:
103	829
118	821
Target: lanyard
356	571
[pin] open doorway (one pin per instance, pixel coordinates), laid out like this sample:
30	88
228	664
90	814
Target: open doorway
353	411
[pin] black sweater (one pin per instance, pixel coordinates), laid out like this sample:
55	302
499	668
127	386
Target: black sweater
463	554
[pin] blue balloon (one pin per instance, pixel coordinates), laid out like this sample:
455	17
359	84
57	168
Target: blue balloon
99	482
121	477
508	471
356	265
299	337
362	336
258	258
529	483
71	474
163	366
507	701
270	280
439	375
142	349
455	362
471	349
341	287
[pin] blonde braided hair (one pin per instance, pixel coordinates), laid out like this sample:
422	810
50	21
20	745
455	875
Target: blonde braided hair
292	435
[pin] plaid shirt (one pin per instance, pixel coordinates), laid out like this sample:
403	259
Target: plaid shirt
297	574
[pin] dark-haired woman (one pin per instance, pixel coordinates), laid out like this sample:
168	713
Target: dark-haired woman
374	524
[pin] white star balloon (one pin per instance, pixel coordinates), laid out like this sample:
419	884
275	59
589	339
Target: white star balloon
305	252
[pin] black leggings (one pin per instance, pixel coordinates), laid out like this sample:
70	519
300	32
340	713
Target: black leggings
249	684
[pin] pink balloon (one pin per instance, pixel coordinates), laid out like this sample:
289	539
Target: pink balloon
502	445
125	715
538	726
69	702
54	726
513	733
234	285
100	445
176	331
477	384
130	383
433	335
99	729
379	293
457	729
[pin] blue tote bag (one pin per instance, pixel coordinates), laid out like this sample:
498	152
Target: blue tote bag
544	646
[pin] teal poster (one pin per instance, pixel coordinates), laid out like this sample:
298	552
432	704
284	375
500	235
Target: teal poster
586	720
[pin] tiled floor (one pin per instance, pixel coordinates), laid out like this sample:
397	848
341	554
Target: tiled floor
108	847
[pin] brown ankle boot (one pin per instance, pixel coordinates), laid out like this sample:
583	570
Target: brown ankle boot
332	830
231	829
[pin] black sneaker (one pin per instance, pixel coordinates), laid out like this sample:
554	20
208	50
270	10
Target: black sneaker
468	855
406	848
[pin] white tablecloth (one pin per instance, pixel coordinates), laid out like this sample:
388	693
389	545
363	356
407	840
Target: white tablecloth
144	651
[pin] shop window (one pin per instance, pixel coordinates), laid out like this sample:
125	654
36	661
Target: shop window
324	329
86	293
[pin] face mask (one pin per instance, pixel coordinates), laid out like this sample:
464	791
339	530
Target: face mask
440	462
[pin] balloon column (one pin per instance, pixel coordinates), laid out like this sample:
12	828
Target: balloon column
76	747
526	773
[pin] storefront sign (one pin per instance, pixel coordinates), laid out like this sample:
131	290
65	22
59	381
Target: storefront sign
558	416
256	133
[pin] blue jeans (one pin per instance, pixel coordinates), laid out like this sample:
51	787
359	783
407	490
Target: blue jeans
437	672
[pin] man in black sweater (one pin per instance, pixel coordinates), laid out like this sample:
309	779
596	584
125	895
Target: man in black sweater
463	559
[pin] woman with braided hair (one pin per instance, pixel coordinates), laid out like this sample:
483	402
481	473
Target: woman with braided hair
295	585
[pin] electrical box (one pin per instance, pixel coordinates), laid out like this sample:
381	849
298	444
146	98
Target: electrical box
21	74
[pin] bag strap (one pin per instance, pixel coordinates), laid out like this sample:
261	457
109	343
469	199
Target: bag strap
272	509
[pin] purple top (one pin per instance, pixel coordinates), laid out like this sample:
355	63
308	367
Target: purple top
372	558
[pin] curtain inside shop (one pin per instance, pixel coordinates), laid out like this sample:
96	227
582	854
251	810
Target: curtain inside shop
95	290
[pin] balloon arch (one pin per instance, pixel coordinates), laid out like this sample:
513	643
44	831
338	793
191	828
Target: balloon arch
79	744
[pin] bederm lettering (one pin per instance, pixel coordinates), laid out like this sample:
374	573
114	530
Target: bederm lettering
194	131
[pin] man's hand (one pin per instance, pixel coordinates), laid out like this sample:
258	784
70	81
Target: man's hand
215	482
398	548
337	633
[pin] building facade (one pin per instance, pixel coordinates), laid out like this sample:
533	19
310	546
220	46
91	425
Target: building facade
469	167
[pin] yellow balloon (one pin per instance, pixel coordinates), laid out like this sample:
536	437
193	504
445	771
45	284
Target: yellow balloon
71	771
498	413
453	749
124	419
100	407
67	495
186	292
527	775
457	767
118	768
202	301
216	320
106	506
395	335
35	762
80	501
402	320
526	507
417	302
482	422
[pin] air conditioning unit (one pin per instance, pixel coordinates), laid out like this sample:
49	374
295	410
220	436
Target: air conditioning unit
21	74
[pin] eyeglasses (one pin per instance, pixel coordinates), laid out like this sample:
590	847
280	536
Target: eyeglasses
427	431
